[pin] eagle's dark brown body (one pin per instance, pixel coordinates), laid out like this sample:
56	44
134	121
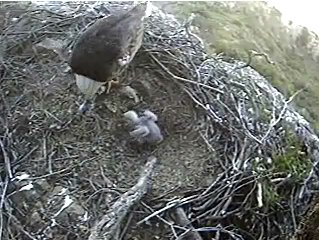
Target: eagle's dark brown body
105	47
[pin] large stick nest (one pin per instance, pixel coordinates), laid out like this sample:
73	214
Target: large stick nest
236	156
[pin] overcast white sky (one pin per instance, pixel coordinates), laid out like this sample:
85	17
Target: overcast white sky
301	12
305	13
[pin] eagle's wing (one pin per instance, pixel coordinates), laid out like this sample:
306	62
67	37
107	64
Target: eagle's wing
140	132
132	37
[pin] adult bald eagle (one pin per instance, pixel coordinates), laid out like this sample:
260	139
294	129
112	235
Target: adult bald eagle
105	48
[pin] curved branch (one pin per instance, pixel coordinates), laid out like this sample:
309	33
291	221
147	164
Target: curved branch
109	226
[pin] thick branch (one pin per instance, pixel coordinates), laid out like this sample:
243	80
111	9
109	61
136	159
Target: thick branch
109	226
182	220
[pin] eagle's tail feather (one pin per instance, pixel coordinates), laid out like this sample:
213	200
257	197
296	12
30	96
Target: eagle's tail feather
88	86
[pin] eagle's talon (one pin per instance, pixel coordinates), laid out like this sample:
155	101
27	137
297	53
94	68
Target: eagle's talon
110	83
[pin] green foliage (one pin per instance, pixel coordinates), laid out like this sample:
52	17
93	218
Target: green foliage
304	38
255	26
292	160
270	194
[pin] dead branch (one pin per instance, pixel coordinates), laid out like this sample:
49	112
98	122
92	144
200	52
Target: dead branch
109	226
182	220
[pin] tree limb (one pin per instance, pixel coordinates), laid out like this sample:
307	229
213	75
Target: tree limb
109	226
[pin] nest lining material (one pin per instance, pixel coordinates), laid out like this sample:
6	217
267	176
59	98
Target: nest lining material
216	130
